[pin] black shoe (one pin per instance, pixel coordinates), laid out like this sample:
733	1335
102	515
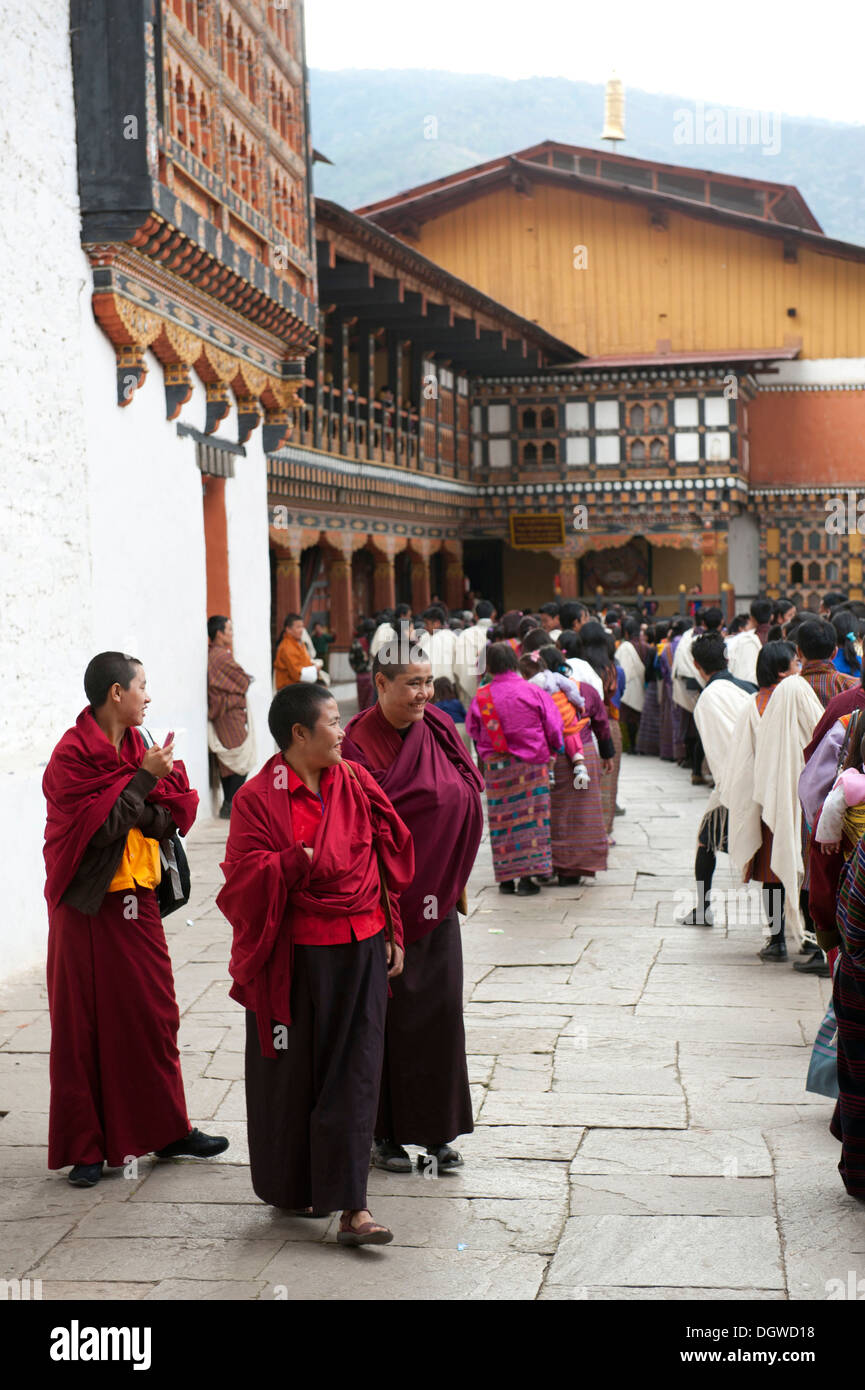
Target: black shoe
620	811
776	950
807	948
390	1156
86	1174
195	1145
224	812
569	880
507	885
547	880
816	964
526	888
444	1155
698	918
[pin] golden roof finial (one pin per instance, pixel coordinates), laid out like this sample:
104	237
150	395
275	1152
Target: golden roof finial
614	110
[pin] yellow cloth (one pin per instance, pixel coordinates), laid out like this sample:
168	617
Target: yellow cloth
140	863
854	828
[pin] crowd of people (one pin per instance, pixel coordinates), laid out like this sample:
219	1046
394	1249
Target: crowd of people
349	852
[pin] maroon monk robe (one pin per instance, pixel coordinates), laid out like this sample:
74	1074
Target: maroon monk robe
269	877
436	789
116	1083
311	1104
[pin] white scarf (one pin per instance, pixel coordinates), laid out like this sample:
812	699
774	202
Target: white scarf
785	730
715	715
683	666
634	692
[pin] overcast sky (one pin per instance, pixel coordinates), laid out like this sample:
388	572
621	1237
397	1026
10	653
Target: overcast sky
797	57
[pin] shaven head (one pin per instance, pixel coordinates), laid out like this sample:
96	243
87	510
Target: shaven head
106	670
298	704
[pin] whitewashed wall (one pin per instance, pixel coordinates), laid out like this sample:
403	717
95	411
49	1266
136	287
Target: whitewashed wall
101	521
44	495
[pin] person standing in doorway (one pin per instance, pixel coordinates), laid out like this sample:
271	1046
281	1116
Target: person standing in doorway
229	731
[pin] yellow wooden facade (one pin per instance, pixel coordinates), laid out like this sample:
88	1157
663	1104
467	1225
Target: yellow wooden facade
694	284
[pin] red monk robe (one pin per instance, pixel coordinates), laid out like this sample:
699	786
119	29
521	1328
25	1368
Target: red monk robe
436	789
116	1084
308	953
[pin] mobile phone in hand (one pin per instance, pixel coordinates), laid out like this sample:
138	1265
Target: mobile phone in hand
169	740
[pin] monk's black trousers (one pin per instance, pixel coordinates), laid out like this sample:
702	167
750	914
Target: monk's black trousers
310	1112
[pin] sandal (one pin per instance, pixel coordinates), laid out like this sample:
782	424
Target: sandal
368	1233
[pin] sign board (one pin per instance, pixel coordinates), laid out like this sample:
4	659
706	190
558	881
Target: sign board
537	531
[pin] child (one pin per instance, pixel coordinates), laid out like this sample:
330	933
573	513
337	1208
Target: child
446	699
568	700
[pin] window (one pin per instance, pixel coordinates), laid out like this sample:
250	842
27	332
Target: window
549	453
687	448
718	446
686	412
657	450
813	573
577	415
499	419
548	418
529	420
797	541
831	573
576	451
657	415
797	576
607	415
530	453
638	451
638	419
716	411
815	541
607	448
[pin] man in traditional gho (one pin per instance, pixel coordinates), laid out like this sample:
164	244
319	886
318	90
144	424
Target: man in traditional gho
419	761
229	733
715	713
760	788
816	641
314	847
631	655
116	1084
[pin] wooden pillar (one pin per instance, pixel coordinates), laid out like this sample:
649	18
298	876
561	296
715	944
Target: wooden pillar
420	583
384	583
568	576
341	600
341	373
319	383
288	598
454	595
216	547
366	379
394	371
710	579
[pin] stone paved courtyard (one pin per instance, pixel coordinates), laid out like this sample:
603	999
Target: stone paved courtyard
643	1131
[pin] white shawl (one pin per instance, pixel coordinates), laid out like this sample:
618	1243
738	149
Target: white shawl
715	715
785	730
683	666
744	834
742	653
628	658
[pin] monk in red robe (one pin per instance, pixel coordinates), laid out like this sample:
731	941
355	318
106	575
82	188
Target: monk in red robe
116	1084
313	842
417	758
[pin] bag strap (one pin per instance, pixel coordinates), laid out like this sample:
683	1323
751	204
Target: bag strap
382	878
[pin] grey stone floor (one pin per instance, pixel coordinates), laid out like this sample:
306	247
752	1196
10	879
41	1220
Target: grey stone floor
642	1128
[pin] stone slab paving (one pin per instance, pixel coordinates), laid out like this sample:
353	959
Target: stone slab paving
642	1128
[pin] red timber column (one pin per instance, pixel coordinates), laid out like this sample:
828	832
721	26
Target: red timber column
383	579
568	576
341	601
454	584
420	583
287	587
710	578
216	547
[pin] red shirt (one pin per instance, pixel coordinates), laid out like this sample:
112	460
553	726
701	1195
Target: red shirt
307	810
